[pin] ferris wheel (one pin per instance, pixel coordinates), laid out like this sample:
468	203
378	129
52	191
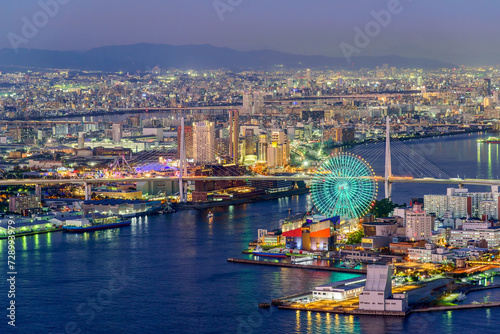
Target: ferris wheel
344	186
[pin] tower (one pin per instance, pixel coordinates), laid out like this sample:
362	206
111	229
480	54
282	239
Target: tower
388	168
234	130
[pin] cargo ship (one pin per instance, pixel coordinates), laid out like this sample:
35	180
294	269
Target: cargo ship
86	225
490	140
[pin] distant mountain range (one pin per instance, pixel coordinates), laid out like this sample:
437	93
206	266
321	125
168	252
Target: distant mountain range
143	57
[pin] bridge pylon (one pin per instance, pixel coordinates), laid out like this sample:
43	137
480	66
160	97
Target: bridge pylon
388	165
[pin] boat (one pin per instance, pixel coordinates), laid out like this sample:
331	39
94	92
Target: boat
461	297
150	211
259	252
276	255
348	264
96	225
302	259
490	140
299	255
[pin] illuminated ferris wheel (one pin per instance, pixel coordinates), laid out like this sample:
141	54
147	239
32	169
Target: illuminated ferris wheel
344	186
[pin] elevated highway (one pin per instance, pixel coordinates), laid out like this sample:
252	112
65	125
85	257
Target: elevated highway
379	179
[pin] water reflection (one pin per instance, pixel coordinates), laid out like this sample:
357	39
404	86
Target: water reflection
309	322
328	323
297	322
490	163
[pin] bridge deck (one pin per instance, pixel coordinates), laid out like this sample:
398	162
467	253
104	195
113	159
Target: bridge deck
379	179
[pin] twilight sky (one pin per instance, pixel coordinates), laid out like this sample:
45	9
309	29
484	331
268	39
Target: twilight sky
452	30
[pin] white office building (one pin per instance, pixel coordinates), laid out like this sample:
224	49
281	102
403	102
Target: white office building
462	203
418	224
340	290
377	295
475	231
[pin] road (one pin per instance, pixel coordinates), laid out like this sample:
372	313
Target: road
379	179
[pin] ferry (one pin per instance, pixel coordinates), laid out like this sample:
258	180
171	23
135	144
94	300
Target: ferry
490	140
95	225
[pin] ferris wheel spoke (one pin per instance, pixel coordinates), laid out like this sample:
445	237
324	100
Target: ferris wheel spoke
344	186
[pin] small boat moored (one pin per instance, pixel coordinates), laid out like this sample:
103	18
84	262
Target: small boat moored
260	252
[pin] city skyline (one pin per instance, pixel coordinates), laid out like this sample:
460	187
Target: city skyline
247	166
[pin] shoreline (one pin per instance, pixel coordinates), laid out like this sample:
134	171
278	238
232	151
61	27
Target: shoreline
31	233
206	205
350	309
298	266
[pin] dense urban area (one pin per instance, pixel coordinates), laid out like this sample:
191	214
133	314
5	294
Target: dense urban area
89	150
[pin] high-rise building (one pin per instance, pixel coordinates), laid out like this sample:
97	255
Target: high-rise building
247	102
258	103
437	204
487	86
81	140
262	150
462	203
117	132
22	204
204	142
418	224
222	148
188	140
278	151
234	134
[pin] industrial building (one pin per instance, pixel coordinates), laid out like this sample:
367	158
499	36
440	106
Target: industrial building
377	294
340	290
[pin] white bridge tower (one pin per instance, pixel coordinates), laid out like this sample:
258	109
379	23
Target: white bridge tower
388	167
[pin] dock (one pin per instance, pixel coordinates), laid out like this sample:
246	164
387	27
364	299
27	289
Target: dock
266	197
18	235
345	310
456	307
298	266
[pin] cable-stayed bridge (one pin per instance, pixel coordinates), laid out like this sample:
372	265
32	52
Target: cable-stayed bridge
409	162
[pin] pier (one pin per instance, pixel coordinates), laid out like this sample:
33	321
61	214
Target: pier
298	266
456	307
